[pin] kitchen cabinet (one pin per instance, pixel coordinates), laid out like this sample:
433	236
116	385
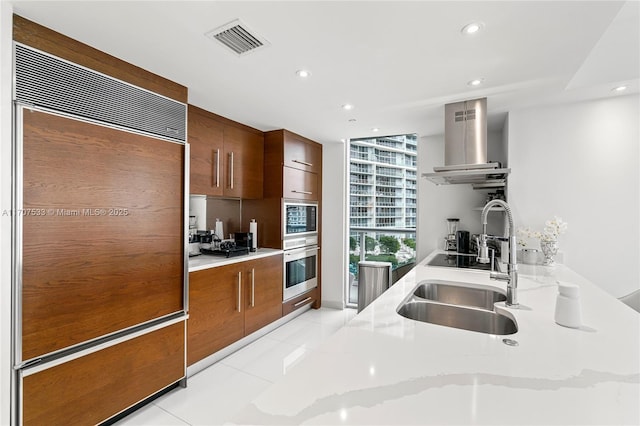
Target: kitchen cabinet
206	139
293	171
298	184
294	166
94	387
229	302
311	297
243	158
226	157
300	153
263	298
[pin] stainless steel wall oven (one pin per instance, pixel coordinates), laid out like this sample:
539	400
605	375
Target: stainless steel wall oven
300	271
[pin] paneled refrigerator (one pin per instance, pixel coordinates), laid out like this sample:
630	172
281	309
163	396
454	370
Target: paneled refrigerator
100	259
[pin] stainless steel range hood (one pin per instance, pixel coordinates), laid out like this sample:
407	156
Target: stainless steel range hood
465	148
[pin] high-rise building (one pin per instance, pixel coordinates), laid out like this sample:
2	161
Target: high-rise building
383	182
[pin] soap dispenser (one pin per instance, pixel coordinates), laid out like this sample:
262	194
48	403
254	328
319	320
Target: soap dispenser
568	311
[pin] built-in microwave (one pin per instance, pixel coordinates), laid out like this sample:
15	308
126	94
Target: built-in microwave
300	224
300	271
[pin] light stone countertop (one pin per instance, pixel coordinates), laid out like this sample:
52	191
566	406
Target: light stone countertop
206	261
382	368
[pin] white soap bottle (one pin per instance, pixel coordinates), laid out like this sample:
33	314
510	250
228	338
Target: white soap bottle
568	311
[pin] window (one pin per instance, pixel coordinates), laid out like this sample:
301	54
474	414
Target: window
382	203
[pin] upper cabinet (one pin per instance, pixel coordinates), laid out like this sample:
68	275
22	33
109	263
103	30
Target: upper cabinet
300	153
206	138
243	158
226	157
294	164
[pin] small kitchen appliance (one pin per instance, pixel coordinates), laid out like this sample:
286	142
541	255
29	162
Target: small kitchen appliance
462	242
244	239
452	229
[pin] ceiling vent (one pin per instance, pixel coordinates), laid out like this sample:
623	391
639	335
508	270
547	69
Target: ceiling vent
238	37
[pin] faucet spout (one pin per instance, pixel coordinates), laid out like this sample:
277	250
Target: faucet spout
511	277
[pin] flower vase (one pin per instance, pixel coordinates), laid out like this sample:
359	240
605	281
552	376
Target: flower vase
549	249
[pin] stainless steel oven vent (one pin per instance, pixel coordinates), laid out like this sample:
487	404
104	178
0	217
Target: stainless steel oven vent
236	36
44	80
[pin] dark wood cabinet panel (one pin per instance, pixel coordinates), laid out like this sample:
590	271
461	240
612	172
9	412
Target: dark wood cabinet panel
47	40
95	387
243	157
206	140
299	184
108	252
301	153
226	157
264	292
216	311
308	298
215	319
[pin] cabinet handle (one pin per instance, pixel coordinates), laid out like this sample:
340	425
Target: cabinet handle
304	163
302	192
253	287
217	172
239	291
231	170
302	302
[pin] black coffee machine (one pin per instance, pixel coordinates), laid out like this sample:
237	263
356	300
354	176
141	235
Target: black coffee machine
244	239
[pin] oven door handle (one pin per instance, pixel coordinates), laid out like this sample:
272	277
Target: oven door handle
302	250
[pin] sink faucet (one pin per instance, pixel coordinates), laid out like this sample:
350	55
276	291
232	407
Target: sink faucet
511	277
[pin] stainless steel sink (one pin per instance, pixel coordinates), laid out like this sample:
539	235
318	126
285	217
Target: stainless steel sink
472	319
459	306
457	294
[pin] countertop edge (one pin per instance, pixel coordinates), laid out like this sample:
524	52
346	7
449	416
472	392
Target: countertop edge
204	261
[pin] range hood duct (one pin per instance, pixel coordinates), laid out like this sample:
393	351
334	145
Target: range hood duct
465	133
465	148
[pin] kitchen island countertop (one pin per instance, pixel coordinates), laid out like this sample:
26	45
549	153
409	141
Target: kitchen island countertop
382	368
206	261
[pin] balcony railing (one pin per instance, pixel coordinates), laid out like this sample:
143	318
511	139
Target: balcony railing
361	181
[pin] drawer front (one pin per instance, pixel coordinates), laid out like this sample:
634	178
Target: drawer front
308	298
95	387
300	185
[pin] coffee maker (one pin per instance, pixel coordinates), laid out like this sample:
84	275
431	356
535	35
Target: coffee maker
450	243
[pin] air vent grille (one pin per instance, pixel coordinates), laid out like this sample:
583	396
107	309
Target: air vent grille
51	82
236	36
465	115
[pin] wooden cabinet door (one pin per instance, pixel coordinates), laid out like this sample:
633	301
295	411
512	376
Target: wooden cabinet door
243	159
263	297
95	387
216	311
206	141
300	185
97	263
301	153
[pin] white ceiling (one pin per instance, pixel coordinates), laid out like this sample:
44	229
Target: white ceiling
397	62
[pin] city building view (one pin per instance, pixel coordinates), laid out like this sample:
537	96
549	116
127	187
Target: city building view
382	203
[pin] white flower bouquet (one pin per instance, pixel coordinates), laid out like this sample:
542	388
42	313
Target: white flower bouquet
552	229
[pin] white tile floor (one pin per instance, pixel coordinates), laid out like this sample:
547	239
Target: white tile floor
217	393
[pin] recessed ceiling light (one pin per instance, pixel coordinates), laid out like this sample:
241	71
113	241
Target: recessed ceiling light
347	107
476	82
375	129
472	28
303	73
619	89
